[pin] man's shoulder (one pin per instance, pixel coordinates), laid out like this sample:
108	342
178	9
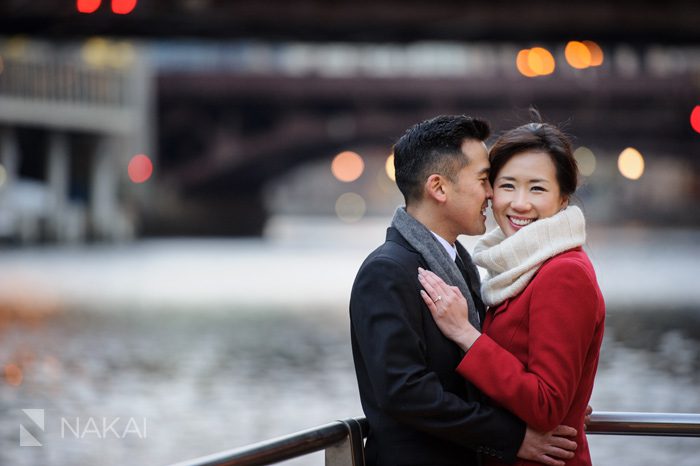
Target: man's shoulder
395	249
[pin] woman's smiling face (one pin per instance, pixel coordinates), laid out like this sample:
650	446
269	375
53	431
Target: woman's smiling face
525	190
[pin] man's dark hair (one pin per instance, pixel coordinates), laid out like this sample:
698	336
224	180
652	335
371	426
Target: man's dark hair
434	146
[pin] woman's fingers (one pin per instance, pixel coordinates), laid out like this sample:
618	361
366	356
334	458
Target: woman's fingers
428	302
437	286
428	285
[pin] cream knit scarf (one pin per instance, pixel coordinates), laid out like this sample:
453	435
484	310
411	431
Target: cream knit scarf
512	262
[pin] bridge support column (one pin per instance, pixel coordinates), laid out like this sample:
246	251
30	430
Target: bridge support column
107	219
9	162
9	157
58	178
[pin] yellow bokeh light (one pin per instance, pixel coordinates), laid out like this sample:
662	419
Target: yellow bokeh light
347	166
350	207
3	175
631	163
585	159
121	55
2	66
389	167
540	61
95	52
577	55
16	47
595	51
522	65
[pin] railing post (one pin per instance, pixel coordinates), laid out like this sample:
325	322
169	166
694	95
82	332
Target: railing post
350	451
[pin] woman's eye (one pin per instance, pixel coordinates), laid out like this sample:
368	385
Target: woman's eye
506	186
538	188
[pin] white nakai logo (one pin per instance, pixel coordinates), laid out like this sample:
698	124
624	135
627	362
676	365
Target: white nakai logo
26	439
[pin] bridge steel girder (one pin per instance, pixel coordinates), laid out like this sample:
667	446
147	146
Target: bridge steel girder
637	22
650	114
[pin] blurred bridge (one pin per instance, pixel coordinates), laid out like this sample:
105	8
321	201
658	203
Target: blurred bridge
225	134
298	81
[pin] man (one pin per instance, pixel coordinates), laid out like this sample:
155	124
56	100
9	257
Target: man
420	411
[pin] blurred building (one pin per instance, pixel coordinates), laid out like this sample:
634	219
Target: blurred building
71	117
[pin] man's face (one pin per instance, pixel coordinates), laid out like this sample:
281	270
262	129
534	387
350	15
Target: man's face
468	195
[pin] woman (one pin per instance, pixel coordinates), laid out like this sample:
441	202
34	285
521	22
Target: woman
538	353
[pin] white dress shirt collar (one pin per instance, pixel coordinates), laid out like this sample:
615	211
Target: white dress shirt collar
451	249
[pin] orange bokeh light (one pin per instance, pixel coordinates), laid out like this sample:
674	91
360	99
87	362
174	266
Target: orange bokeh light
123	7
347	166
577	55
695	118
13	374
140	168
595	51
88	6
540	61
521	63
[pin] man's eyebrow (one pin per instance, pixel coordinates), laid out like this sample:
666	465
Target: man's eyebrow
484	171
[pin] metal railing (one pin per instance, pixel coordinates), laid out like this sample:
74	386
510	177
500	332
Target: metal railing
650	424
343	440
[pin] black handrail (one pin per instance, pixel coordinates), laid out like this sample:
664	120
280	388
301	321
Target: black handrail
282	448
329	435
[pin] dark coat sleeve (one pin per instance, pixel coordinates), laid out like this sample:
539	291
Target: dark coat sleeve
387	318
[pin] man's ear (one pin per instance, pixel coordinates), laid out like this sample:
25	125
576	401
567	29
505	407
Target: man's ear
435	188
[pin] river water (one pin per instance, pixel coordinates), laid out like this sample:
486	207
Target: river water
159	352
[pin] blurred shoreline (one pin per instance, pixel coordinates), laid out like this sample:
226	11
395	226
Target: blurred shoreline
303	264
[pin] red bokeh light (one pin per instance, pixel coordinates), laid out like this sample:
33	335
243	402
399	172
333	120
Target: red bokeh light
140	168
123	7
695	118
88	6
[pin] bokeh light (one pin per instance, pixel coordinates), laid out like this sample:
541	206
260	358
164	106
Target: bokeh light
695	118
521	62
121	54
631	163
123	7
350	207
540	61
95	51
577	55
3	175
585	159
13	374
389	167
140	168
347	166
596	52
16	47
88	6
2	65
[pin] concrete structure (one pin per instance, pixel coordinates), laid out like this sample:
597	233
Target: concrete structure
97	91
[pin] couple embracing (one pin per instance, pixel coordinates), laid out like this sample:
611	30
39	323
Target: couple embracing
456	371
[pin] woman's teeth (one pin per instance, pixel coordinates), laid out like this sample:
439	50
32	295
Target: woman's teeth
521	222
